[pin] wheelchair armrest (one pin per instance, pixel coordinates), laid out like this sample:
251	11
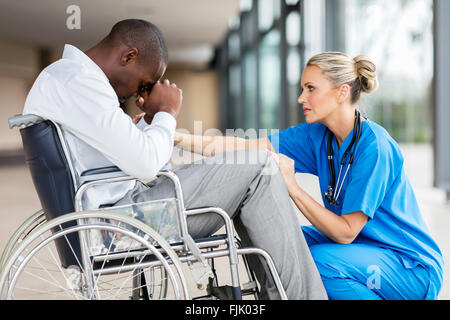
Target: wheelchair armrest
101	173
100	170
167	167
108	172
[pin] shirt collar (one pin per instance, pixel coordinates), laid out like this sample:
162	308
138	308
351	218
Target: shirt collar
72	53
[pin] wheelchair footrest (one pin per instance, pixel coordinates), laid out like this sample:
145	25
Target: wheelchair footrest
200	269
249	288
251	285
222	292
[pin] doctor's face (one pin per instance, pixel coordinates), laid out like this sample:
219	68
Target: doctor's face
318	95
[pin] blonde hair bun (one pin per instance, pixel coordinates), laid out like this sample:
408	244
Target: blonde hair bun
340	69
365	70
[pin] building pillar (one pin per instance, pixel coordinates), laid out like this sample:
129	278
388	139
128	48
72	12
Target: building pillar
441	95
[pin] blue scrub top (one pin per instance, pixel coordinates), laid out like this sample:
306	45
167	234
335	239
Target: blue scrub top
376	184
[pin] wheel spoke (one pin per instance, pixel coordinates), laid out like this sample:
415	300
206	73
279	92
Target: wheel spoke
101	269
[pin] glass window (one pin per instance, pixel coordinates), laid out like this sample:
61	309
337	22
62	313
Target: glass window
291	2
293	65
293	30
268	12
254	62
234	95
234	46
293	86
403	54
246	5
234	22
270	80
248	28
250	65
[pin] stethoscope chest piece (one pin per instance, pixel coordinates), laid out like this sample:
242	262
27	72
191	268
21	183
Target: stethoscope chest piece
329	196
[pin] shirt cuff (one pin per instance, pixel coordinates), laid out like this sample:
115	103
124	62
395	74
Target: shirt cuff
166	120
161	118
141	124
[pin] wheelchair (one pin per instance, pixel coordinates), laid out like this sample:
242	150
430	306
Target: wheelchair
141	251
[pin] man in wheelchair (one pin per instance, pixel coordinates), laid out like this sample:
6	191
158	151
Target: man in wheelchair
82	93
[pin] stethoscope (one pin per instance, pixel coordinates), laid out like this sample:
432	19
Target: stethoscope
334	190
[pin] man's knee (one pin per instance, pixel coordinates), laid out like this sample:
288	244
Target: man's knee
255	157
252	161
262	160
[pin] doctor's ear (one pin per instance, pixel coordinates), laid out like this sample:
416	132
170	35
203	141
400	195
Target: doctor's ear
343	93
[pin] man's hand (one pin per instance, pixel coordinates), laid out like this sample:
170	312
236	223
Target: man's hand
164	97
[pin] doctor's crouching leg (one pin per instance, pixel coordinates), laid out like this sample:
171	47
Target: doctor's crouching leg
362	272
249	187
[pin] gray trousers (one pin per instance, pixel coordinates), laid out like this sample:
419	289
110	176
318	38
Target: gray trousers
249	187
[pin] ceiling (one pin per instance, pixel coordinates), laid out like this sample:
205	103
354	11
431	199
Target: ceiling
191	27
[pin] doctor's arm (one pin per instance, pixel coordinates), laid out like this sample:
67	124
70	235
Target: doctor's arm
341	229
212	145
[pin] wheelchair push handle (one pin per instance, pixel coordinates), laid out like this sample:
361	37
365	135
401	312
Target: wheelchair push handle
24	120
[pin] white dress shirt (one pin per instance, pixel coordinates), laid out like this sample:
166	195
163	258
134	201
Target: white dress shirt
75	93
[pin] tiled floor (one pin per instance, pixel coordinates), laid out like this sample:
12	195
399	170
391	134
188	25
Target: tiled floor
18	200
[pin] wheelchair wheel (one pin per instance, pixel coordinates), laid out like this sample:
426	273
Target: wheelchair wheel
151	284
26	228
133	263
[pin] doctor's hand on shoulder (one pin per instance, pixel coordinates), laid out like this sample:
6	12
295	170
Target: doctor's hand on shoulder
163	97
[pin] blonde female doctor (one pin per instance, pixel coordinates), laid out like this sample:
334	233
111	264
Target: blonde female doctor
369	240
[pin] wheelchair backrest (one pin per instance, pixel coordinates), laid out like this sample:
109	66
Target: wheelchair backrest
53	180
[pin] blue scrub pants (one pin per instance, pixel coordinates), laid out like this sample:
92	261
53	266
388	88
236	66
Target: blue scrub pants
360	271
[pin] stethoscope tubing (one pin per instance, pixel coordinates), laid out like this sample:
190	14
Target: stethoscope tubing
337	188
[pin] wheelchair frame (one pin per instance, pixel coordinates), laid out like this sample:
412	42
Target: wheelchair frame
189	251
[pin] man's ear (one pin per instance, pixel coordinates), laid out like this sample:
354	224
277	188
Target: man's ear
129	56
